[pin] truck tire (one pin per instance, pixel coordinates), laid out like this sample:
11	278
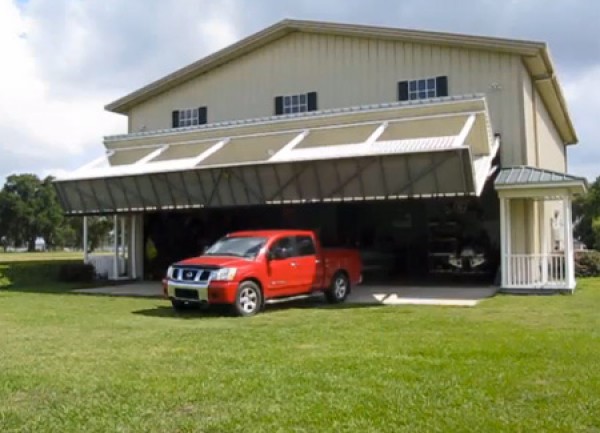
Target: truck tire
248	299
339	288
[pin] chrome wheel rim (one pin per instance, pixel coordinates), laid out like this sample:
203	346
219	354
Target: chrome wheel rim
341	286
248	299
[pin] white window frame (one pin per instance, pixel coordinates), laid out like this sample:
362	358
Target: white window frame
188	117
295	103
422	88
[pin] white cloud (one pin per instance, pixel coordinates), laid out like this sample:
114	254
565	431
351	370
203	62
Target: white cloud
583	98
67	62
35	127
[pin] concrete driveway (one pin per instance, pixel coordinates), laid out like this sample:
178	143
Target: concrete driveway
369	294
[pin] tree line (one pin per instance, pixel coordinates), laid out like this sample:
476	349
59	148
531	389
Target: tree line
29	209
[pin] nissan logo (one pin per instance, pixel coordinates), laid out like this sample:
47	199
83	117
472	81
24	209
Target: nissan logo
189	275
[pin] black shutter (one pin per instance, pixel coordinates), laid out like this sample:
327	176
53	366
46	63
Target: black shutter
175	119
278	105
311	101
441	84
403	91
202	116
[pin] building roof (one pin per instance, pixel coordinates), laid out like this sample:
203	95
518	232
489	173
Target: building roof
536	57
524	176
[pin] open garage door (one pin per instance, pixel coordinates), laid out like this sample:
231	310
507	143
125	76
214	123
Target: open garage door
441	155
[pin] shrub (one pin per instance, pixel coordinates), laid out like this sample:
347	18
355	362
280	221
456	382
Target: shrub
587	264
76	272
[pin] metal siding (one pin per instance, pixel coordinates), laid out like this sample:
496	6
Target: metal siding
345	72
552	149
125	157
528	130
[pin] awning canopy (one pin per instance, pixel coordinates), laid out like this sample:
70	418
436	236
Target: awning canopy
445	154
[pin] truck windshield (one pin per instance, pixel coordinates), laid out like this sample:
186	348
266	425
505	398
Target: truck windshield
247	247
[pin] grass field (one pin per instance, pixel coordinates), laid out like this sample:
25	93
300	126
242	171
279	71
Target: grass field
75	363
39	256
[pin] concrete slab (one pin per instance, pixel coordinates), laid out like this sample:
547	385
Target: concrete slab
458	296
142	289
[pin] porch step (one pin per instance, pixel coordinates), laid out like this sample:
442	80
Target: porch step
531	291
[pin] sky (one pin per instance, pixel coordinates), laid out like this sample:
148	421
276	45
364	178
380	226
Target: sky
63	60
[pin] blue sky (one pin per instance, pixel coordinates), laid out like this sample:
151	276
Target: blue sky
71	57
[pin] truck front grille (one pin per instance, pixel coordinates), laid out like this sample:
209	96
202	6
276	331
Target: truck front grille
191	274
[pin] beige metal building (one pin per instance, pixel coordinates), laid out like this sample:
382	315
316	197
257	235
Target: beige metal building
435	153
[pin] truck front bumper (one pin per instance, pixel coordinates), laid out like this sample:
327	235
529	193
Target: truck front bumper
216	292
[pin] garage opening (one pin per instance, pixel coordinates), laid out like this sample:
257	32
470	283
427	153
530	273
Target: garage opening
418	240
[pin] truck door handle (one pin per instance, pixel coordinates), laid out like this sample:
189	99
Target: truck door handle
293	264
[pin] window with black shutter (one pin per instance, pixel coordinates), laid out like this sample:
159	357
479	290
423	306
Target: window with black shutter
411	90
189	117
301	103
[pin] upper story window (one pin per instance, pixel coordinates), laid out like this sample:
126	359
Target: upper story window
189	117
300	103
423	88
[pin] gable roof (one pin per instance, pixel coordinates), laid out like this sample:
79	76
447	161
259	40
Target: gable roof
536	58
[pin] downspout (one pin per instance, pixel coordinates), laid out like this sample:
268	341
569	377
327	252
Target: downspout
535	123
538	205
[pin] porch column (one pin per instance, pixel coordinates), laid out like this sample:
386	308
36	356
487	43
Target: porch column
505	241
545	251
85	240
568	243
124	252
116	247
132	247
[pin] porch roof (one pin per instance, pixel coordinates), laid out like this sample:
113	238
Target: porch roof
532	178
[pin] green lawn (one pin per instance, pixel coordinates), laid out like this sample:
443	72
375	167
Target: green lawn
39	256
75	363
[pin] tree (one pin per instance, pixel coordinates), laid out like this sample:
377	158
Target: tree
29	208
586	210
99	228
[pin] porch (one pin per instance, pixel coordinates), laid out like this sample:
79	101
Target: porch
536	229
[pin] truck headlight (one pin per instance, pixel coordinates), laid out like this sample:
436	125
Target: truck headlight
170	272
225	274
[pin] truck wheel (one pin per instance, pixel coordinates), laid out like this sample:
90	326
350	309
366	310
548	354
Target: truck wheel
339	289
248	300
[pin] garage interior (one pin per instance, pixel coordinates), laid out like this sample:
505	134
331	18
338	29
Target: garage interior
423	240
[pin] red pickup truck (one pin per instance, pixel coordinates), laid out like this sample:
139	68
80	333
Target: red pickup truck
250	269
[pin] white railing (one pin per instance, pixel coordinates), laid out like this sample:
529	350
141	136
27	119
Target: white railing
105	265
538	271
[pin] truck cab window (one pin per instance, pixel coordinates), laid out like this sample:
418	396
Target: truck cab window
305	245
284	248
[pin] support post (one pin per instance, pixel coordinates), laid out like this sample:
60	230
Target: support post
123	245
85	240
544	240
568	243
508	238
116	247
132	248
503	258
